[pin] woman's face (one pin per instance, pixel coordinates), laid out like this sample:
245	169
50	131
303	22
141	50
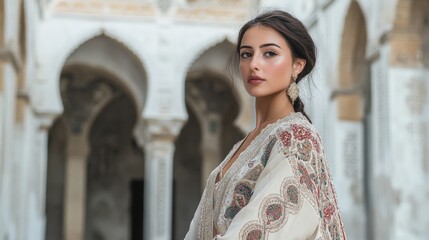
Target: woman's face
266	63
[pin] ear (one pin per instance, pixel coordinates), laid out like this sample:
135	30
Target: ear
298	65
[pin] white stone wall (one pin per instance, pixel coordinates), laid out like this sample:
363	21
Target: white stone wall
9	169
21	179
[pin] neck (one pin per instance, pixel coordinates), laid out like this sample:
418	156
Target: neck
271	108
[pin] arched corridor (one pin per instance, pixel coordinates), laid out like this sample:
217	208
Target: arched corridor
102	162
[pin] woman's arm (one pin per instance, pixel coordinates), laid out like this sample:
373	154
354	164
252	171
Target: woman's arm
278	208
293	197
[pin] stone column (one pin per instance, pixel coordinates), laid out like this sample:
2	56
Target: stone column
37	159
41	160
408	104
350	160
350	169
159	149
409	123
75	185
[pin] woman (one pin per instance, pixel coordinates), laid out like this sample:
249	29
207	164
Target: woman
275	183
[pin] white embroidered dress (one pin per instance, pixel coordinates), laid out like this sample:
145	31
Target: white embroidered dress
278	188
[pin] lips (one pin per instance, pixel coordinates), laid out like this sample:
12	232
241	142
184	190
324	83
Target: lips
255	79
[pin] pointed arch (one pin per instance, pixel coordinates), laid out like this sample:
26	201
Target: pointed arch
221	43
353	66
215	58
107	53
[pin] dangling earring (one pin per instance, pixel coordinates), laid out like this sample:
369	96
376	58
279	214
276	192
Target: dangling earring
293	90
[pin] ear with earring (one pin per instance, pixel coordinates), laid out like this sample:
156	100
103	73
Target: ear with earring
293	90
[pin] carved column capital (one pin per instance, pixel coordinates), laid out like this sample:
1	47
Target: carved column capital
162	129
46	120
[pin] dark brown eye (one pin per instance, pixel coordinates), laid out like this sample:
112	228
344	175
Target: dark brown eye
245	55
270	54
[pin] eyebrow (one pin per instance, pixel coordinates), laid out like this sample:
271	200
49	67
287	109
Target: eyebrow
262	46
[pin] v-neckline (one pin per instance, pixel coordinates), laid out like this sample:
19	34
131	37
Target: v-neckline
219	175
218	178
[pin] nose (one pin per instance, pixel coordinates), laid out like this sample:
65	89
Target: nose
254	62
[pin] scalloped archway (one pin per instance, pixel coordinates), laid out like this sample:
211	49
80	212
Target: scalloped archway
105	52
56	59
103	89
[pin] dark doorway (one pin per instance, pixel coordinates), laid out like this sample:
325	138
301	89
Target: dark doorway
137	198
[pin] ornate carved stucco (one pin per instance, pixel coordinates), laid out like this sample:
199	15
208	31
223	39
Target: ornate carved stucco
210	93
417	97
213	10
82	91
217	10
162	129
106	7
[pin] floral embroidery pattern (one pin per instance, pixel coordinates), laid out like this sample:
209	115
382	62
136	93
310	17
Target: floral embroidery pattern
304	150
311	171
306	178
328	211
274	211
300	132
292	193
253	231
244	189
244	192
285	137
316	144
253	175
334	232
310	181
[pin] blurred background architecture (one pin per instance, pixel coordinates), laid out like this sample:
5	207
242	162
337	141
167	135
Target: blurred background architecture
114	112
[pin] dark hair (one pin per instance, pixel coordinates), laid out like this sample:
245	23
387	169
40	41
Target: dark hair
296	36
